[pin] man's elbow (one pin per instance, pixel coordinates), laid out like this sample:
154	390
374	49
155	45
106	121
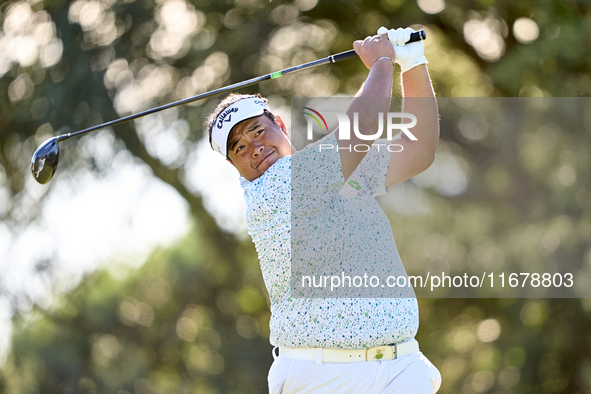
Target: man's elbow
425	160
429	160
421	164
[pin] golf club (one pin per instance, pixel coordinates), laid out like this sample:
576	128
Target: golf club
45	159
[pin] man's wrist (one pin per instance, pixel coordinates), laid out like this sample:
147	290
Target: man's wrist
409	65
385	58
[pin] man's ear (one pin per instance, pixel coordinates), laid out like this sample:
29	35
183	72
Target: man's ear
281	125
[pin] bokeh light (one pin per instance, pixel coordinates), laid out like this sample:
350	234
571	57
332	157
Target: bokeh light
26	37
486	36
525	30
431	6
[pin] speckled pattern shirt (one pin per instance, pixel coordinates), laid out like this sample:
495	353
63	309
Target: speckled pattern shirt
328	209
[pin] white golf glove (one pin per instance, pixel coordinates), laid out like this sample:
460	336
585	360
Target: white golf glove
407	55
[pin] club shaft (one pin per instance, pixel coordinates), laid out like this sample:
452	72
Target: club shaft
417	36
166	106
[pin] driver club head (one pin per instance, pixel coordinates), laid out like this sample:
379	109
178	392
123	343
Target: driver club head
44	161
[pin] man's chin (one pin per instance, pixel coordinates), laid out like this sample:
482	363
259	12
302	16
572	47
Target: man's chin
268	162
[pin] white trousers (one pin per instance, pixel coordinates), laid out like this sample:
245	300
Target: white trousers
411	374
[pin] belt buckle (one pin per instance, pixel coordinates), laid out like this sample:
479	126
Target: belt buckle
379	353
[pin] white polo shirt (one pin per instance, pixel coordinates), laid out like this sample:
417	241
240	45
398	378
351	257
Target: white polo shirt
329	209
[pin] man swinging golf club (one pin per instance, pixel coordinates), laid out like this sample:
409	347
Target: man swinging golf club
335	345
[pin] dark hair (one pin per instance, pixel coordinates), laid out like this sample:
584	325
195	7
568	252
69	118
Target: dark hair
225	103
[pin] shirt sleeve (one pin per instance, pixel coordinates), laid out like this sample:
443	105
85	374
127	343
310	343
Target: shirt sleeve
372	171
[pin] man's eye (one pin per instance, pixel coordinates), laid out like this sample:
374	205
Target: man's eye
259	132
239	148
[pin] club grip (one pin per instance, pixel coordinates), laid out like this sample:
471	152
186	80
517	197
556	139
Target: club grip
417	36
414	37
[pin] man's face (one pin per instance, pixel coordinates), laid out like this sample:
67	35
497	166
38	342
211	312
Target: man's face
256	144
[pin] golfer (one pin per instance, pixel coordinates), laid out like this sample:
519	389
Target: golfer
335	345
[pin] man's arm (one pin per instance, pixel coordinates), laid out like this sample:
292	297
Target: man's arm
373	98
419	100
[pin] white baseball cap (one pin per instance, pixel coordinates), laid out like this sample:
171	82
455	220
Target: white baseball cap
235	113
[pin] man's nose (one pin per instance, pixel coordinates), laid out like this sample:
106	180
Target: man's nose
257	149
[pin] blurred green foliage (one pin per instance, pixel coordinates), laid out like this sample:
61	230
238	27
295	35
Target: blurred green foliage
176	325
194	318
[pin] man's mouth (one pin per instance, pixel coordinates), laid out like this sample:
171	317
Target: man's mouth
265	158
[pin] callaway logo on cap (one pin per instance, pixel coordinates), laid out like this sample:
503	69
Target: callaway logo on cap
241	110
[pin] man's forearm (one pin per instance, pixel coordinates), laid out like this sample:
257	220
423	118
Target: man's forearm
372	99
419	100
